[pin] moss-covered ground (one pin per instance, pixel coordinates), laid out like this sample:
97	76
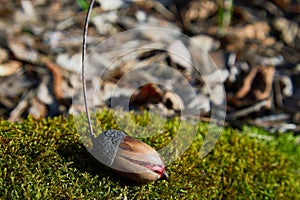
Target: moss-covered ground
45	159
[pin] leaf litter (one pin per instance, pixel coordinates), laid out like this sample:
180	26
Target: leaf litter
256	53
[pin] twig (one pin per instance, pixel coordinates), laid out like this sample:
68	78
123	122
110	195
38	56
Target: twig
21	107
86	24
248	110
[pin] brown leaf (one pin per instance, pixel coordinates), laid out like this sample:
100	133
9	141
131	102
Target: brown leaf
149	93
10	68
23	48
57	79
257	85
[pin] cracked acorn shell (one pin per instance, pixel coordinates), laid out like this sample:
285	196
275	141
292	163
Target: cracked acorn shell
129	156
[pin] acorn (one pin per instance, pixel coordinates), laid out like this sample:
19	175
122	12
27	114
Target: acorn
114	148
129	156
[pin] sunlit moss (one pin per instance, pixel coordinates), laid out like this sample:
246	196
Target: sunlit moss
47	159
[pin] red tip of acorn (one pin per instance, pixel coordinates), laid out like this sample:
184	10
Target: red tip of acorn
164	176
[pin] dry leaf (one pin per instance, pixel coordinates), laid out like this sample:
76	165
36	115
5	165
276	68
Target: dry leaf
10	68
180	54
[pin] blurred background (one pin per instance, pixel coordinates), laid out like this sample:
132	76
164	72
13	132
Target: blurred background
255	46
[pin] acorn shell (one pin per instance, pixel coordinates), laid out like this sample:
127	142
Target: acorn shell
128	156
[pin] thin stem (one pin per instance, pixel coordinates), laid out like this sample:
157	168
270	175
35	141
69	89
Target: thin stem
86	24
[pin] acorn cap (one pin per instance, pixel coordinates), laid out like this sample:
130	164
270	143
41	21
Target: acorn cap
106	146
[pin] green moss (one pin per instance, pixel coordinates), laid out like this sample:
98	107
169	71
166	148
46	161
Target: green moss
46	159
